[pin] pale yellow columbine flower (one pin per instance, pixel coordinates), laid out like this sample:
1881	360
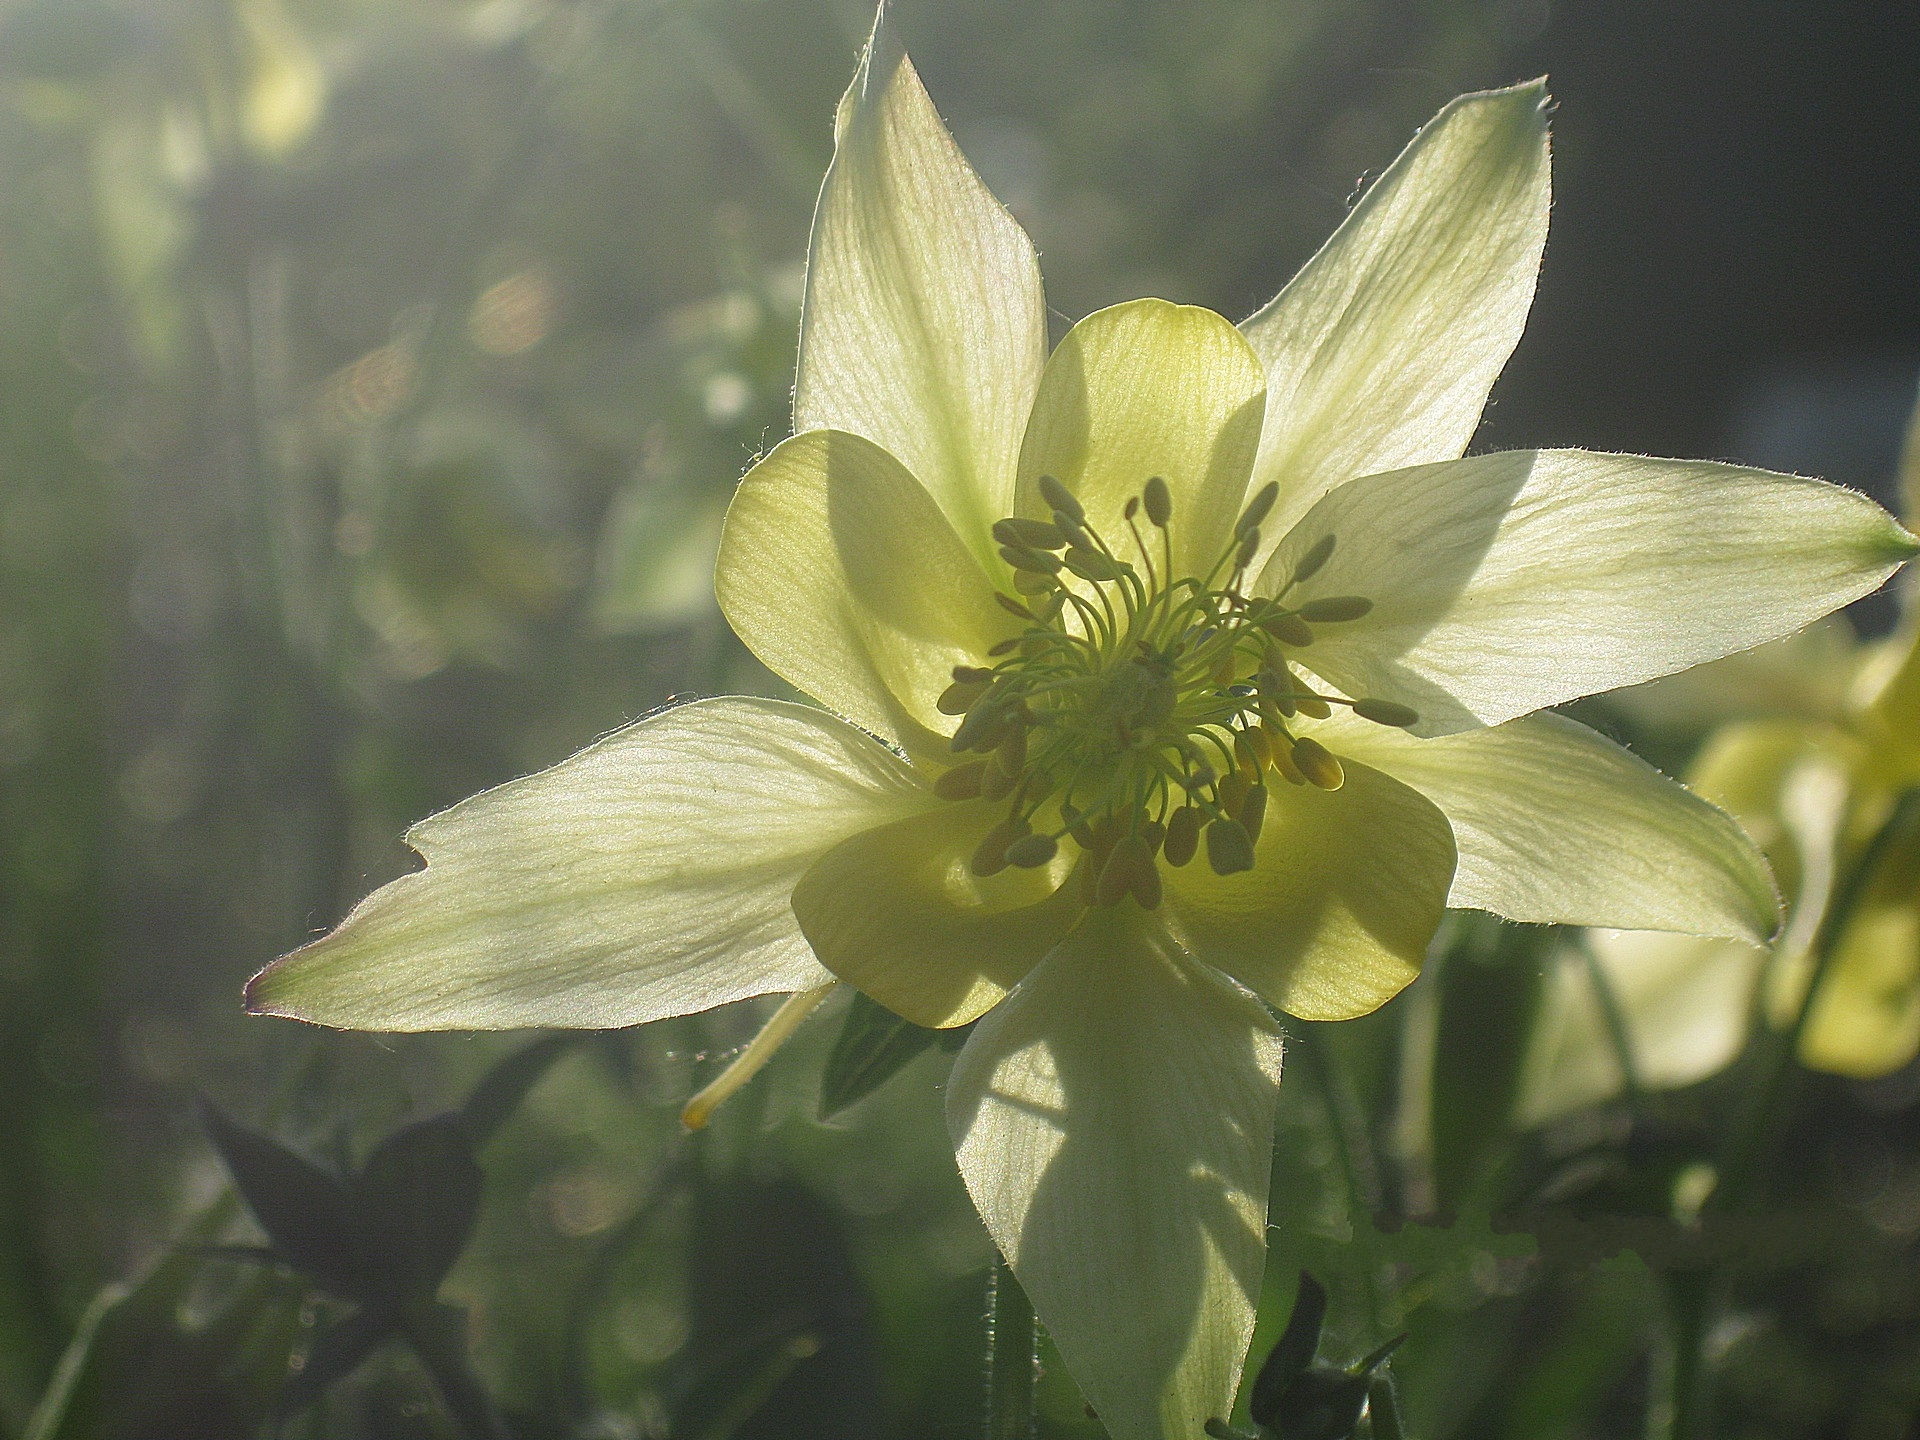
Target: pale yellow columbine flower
1822	736
1117	616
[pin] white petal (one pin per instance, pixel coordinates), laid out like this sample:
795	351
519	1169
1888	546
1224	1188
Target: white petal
646	876
1114	1121
923	327
1557	825
1381	351
1506	583
1805	676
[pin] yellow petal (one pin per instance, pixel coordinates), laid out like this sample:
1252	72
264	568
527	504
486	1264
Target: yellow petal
838	571
1347	888
897	912
1889	721
1114	1122
923	327
1866	1018
1142	389
1686	1004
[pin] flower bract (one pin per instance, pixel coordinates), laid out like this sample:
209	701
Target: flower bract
1168	680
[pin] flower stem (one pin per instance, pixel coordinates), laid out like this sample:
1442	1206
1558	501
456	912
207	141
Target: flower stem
1691	1297
1777	1068
1013	1361
1682	1376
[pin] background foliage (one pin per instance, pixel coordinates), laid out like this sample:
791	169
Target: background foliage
372	379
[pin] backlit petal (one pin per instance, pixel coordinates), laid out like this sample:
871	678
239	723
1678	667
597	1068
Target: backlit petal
1557	825
844	577
1506	583
646	876
1113	1118
1347	888
1381	351
923	327
1142	389
897	912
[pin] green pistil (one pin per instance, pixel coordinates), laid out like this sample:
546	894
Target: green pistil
1155	718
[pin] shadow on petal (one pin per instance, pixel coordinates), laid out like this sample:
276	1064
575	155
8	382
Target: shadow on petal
1114	1121
897	912
1347	888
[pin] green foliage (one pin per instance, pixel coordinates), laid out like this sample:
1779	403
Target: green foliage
873	1046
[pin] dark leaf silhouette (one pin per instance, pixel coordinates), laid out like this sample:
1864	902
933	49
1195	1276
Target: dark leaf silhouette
303	1208
874	1045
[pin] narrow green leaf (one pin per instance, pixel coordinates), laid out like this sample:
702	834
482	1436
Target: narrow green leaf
303	1208
1293	1353
1490	981
874	1045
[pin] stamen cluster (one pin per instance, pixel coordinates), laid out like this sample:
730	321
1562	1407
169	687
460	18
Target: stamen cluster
1140	712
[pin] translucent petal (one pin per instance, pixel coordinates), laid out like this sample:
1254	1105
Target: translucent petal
1559	826
1142	389
1113	1118
1381	351
923	327
897	912
1347	888
646	876
1505	583
1805	676
844	577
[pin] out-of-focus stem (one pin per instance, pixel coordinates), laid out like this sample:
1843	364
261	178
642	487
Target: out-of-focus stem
1013	1338
1691	1297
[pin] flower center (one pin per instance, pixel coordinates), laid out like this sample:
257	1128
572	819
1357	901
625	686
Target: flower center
1141	712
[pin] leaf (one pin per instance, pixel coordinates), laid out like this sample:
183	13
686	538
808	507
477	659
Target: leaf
502	1088
303	1208
414	1204
874	1045
438	1336
1294	1352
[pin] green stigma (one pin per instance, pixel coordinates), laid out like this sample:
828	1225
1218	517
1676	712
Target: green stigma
1140	712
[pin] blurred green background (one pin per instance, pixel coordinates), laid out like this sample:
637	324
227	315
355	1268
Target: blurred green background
373	377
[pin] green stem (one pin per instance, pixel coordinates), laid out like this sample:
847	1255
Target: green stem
1740	1166
1359	1168
1619	1033
1691	1297
1013	1363
1683	1382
